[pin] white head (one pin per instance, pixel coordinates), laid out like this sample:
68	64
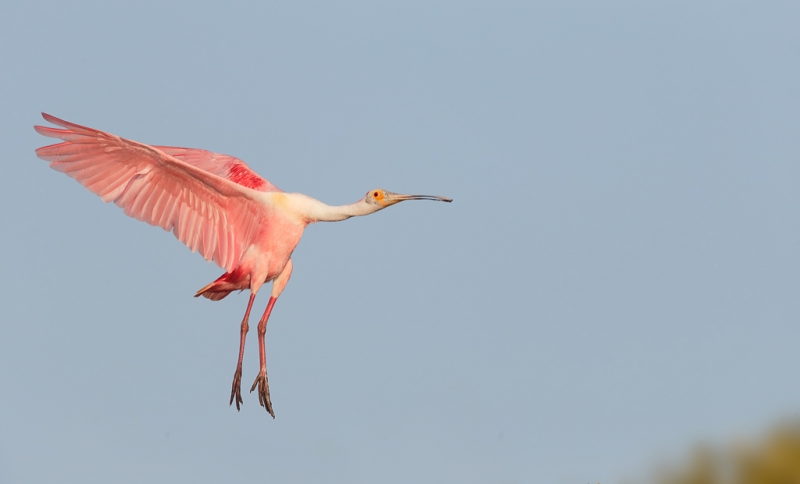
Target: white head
381	198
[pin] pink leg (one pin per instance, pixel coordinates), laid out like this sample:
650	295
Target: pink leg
236	389
261	380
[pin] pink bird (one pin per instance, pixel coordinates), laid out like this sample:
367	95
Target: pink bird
213	203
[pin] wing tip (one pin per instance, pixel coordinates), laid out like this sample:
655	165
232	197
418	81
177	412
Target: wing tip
52	119
66	124
49	131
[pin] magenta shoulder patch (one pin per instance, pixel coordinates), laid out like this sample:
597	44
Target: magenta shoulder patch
240	173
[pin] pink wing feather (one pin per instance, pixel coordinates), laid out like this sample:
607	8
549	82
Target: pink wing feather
225	166
209	213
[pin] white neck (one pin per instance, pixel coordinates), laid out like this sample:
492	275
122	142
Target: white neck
312	210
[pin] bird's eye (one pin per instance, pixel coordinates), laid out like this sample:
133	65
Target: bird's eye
375	194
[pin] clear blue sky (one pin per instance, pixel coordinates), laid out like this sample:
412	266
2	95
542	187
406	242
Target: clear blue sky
617	277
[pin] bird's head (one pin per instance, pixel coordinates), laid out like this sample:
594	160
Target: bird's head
382	198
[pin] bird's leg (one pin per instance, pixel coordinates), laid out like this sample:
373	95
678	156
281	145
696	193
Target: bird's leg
261	380
236	388
278	285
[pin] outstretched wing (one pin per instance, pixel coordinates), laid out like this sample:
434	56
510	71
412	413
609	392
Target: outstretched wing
209	213
225	166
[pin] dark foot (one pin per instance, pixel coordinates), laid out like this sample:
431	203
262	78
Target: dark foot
236	388
263	392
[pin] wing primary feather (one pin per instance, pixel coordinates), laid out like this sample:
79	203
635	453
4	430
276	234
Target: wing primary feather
168	215
116	183
89	171
183	220
222	236
125	201
190	215
202	227
140	199
68	165
192	227
146	210
97	183
119	201
212	235
160	207
85	178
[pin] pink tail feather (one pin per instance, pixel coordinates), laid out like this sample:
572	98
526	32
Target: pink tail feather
224	285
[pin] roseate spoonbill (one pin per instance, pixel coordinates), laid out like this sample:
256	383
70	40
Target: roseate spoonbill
213	203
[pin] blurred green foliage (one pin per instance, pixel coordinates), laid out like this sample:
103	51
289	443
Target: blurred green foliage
774	459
